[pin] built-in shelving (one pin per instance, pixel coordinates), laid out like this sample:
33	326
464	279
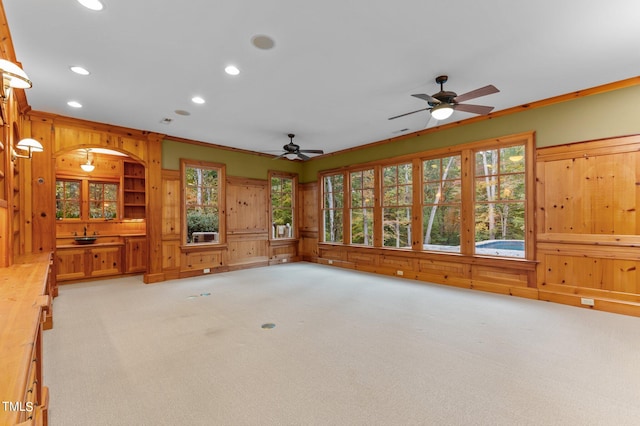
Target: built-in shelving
134	191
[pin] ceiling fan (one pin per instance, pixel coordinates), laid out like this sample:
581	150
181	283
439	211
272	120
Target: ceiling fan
293	151
443	103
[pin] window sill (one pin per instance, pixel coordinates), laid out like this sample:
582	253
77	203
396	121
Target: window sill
187	248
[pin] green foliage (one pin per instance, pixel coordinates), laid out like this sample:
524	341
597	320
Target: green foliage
201	221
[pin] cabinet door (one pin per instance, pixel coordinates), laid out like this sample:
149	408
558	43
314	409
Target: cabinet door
70	264
105	261
135	254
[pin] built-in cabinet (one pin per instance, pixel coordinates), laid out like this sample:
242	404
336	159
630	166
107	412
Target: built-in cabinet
121	255
25	303
135	254
88	262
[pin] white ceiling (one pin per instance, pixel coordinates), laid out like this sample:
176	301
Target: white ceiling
338	71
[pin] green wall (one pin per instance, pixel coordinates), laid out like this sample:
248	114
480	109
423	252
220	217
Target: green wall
238	163
610	114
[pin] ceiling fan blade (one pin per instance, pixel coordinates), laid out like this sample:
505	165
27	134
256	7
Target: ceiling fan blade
483	91
408	113
312	151
280	156
427	98
474	109
302	156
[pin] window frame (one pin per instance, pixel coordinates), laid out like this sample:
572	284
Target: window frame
85	200
322	209
294	203
467	200
441	181
221	206
499	200
411	206
349	208
118	201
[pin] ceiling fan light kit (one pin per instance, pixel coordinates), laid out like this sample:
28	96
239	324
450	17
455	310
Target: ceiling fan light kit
442	111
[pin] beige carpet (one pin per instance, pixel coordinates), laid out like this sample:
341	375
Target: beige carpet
348	348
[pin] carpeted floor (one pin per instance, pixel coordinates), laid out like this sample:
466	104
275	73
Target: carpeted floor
348	348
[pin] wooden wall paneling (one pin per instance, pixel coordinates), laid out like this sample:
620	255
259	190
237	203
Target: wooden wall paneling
248	249
308	231
67	138
452	273
42	197
171	256
194	263
171	204
136	147
5	240
588	243
247	205
282	251
154	208
467	221
247	222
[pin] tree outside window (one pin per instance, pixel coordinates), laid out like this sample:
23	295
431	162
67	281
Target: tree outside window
397	201
103	200
282	190
203	201
362	184
500	193
333	208
441	203
68	199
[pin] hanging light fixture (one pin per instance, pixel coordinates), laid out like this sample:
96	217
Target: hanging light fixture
87	167
442	111
12	77
29	145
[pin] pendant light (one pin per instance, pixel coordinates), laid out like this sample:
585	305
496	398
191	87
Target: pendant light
87	167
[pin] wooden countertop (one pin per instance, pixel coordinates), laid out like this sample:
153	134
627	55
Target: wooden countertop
22	289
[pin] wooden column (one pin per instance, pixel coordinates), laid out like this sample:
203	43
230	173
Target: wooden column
154	209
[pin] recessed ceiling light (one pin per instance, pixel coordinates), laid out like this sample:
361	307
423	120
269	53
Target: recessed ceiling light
79	70
74	104
91	4
263	42
197	100
232	70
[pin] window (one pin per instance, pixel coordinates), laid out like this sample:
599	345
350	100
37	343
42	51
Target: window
333	208
203	186
362	185
441	203
397	201
500	194
467	200
103	200
68	199
283	195
87	199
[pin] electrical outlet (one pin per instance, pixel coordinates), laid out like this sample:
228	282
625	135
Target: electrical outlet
330	262
399	273
284	260
587	302
206	270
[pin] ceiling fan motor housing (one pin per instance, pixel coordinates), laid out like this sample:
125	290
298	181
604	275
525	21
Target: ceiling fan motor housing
444	96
